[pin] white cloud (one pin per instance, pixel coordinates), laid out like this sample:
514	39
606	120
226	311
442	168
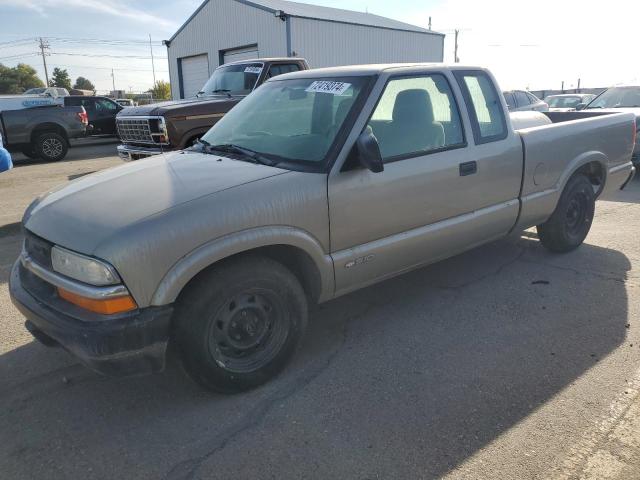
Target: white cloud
113	8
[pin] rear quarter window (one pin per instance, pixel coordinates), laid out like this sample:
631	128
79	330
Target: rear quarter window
484	106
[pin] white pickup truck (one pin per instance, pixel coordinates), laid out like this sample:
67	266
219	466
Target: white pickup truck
318	183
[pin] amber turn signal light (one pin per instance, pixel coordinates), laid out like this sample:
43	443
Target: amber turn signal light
107	306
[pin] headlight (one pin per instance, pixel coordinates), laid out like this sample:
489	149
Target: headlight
85	269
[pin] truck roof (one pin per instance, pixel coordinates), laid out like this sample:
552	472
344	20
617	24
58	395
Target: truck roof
265	60
371	69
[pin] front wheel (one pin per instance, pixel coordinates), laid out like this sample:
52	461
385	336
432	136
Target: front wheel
240	323
571	221
51	146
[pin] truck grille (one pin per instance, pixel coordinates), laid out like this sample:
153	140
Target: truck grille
134	130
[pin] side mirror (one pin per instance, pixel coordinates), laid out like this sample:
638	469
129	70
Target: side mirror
580	106
369	151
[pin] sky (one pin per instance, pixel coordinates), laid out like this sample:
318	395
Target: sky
534	45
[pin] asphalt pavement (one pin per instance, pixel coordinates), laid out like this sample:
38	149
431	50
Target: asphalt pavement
506	362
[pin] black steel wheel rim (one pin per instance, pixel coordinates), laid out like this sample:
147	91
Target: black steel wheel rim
248	331
577	214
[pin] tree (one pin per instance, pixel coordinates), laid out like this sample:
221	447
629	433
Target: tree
161	90
83	84
60	78
18	79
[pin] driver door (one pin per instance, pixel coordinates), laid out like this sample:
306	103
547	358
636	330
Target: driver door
437	195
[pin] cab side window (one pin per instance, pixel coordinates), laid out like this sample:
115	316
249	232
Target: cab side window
484	106
415	116
103	105
279	69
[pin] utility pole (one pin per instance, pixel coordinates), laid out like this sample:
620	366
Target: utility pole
153	68
113	78
578	85
562	86
429	23
455	49
44	45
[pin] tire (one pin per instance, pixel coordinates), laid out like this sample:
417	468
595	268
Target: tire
51	146
29	152
239	324
571	221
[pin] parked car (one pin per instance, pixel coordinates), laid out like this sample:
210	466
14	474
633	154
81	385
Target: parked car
126	102
625	98
519	101
50	91
319	183
102	112
43	132
568	101
153	129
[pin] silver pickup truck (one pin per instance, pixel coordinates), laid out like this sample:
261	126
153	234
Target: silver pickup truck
319	183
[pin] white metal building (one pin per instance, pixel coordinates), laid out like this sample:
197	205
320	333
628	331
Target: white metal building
221	31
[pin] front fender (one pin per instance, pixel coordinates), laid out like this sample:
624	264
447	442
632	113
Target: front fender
206	255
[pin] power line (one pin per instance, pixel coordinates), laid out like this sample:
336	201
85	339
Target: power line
109	68
143	57
15	42
20	56
103	40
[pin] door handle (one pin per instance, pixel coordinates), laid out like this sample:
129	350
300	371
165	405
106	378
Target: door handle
468	168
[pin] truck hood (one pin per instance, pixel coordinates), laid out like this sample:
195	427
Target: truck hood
86	212
210	104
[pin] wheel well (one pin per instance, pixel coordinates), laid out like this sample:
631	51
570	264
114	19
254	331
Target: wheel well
48	127
295	259
595	173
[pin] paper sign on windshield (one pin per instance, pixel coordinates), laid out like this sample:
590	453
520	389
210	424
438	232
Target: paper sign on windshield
251	69
323	86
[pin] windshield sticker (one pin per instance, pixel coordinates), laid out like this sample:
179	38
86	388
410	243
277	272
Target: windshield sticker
252	69
323	86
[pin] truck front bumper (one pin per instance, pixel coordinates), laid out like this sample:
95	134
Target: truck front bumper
128	344
130	152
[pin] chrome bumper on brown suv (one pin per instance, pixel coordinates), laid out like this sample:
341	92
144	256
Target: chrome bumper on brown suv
130	152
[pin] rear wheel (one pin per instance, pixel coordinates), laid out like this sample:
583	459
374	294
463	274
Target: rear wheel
29	152
239	325
51	146
571	221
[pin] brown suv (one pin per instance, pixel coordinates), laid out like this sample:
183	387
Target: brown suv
173	125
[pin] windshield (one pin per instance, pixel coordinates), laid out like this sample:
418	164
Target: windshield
35	91
233	79
293	120
618	97
563	102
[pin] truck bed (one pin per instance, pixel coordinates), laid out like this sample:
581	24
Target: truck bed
551	152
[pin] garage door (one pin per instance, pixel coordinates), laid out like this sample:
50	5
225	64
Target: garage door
244	53
195	73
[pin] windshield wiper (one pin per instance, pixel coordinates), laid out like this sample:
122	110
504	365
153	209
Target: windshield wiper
222	90
254	156
199	93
